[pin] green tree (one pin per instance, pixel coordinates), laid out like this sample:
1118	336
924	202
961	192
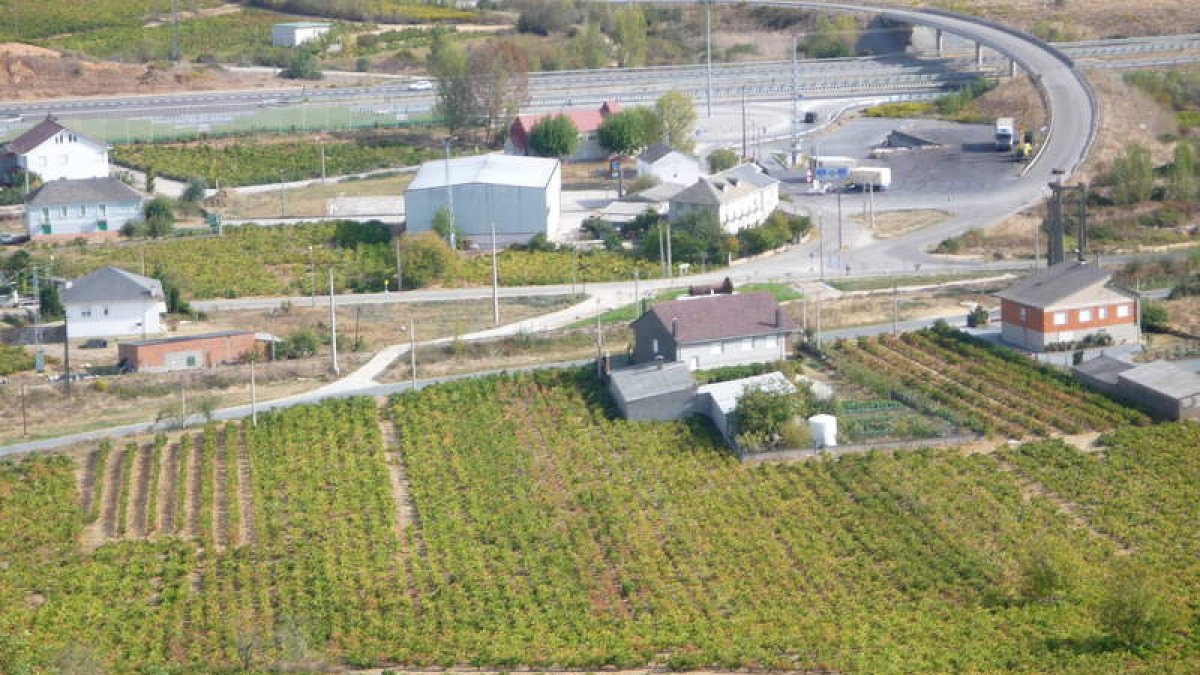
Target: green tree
765	412
721	159
831	38
1154	317
1181	178
624	132
1048	574
630	36
444	225
50	301
1132	176
151	179
160	217
194	192
590	48
303	66
427	258
1134	612
677	113
455	100
554	136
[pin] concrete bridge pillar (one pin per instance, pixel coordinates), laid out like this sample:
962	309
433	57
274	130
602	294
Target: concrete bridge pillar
941	42
978	55
1012	67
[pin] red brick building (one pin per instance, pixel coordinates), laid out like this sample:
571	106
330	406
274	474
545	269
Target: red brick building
186	352
1066	303
587	123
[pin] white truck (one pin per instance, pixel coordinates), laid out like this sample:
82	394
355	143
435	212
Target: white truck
1006	134
873	178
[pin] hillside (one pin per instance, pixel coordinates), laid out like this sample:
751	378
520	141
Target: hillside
511	522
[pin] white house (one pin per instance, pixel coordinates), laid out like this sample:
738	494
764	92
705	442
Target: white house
668	165
111	302
54	152
713	331
73	208
741	197
520	196
297	33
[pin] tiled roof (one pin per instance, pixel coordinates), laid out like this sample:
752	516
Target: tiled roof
714	317
109	284
40	133
1055	283
83	191
586	120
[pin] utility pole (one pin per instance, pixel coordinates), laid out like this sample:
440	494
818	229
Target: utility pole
333	326
253	398
819	296
1082	188
67	350
895	308
662	254
175	55
495	280
708	54
312	275
182	399
24	413
449	188
637	297
871	199
399	264
821	244
322	163
670	256
282	199
841	246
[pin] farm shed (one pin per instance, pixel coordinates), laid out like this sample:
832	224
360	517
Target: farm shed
186	352
714	331
1168	390
519	195
719	401
653	391
297	33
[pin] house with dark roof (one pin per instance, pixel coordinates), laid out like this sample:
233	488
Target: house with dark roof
1066	302
55	152
587	123
1166	389
85	207
668	165
111	302
740	197
713	331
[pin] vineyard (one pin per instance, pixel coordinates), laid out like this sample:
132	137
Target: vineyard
987	389
511	521
264	163
25	20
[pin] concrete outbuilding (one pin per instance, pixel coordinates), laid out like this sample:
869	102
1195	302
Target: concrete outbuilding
519	195
186	352
668	165
720	400
1167	390
653	391
296	33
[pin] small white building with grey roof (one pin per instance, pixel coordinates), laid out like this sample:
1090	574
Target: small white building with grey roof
1167	390
111	302
668	165
87	207
740	198
296	33
520	196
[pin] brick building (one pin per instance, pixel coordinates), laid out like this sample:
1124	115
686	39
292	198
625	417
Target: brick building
186	352
1066	302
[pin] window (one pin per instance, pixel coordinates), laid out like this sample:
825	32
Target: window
82	210
106	311
716	348
191	362
1060	318
1122	311
1024	314
654	345
747	344
103	210
45	214
64	212
1103	313
85	313
1085	315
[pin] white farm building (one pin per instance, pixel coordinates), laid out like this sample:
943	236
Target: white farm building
297	33
519	195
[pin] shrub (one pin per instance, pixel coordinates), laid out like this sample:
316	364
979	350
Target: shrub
554	136
722	159
1134	612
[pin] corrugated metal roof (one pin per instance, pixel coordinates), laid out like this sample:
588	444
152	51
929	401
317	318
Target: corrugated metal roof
1103	368
1055	283
84	191
636	383
109	284
487	169
715	317
1165	378
727	394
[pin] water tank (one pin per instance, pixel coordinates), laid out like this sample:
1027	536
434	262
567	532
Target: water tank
824	430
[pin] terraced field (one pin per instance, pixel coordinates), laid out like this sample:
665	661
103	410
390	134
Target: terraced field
509	522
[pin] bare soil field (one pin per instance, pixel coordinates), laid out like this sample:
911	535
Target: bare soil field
846	312
891	224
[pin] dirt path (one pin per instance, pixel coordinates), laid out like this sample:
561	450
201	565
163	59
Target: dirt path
395	463
194	486
248	535
85	477
1031	487
166	489
220	505
139	497
112	494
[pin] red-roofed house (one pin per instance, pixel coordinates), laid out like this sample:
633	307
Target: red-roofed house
586	121
714	331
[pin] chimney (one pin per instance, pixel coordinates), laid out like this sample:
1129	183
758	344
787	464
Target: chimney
674	327
659	360
778	317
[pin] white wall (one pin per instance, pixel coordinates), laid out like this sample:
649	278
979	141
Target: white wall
673	168
80	218
66	155
287	36
750	210
518	212
87	320
736	352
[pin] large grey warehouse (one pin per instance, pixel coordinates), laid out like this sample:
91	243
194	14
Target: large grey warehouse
519	195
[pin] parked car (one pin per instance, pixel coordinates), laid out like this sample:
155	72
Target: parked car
94	343
810	117
420	85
